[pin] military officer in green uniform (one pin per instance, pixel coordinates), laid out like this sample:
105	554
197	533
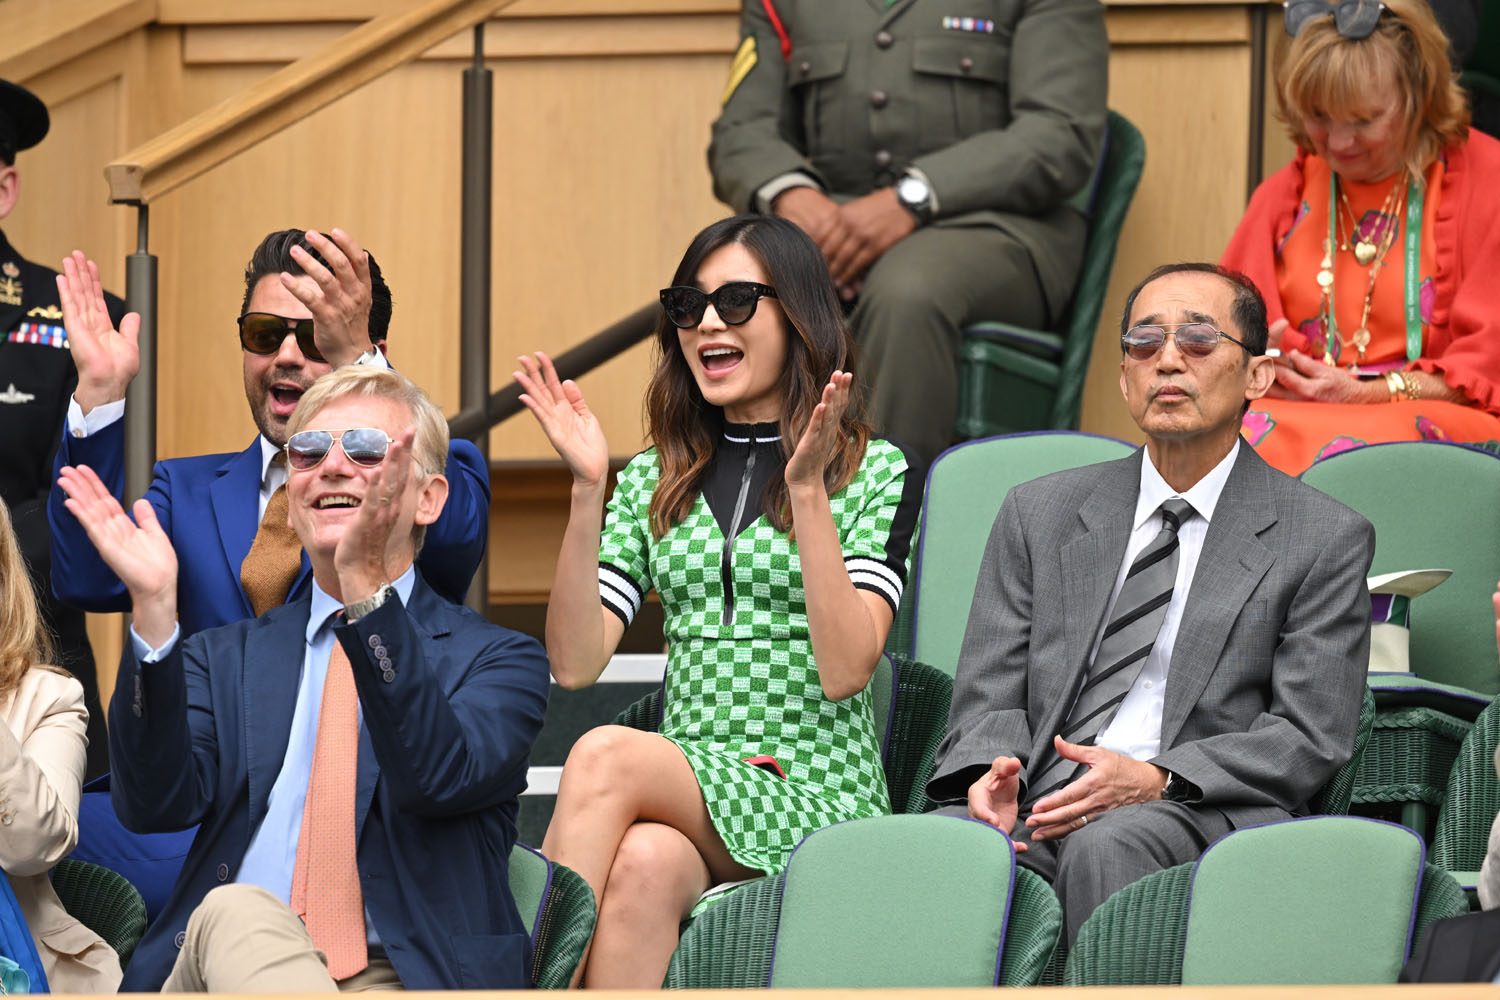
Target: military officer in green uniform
36	380
929	147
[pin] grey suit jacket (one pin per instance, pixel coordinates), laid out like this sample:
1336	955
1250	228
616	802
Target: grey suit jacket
1267	674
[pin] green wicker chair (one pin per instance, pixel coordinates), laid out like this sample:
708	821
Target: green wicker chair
1333	798
103	901
557	909
1014	379
911	869
1421	718
1140	935
964	490
1471	802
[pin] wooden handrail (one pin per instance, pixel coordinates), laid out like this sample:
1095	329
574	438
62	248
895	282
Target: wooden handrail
287	96
42	36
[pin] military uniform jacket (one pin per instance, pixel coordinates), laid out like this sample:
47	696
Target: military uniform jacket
1001	103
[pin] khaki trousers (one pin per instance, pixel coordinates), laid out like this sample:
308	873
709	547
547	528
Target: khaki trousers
242	939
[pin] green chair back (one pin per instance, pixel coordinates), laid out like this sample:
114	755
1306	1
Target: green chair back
103	901
557	910
1013	379
1433	506
1348	918
964	490
1471	802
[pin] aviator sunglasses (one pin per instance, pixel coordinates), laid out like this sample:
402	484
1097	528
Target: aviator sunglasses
1354	19
734	302
262	333
1194	340
364	446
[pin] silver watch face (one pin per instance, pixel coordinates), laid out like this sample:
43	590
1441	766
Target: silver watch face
913	191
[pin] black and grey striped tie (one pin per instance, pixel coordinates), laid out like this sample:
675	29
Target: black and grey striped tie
1138	615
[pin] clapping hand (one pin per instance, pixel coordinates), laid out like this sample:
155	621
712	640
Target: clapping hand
821	439
138	551
565	418
361	556
106	358
338	296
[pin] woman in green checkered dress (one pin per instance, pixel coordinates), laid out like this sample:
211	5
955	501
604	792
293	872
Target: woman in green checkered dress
775	532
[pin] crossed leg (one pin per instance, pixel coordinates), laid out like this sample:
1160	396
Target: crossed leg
630	819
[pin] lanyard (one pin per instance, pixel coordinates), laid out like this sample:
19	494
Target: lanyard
1413	265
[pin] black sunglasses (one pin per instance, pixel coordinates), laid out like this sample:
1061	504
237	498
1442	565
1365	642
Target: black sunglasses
734	302
1354	19
1194	340
262	333
364	446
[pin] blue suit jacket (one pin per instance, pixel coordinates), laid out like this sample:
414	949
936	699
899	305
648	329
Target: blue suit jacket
209	507
200	738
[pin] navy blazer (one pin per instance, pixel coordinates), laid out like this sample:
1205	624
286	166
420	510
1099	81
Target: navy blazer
209	507
200	738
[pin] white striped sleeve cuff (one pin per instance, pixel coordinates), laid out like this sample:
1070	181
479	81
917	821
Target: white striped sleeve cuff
620	594
871	574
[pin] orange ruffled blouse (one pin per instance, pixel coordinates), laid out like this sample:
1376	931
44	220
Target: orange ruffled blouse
1279	244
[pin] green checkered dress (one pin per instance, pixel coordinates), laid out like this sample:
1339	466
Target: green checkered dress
750	687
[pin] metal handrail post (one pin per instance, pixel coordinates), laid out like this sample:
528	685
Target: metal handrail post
140	398
474	288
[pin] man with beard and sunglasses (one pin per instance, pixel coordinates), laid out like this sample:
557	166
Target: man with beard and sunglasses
1165	647
353	758
312	303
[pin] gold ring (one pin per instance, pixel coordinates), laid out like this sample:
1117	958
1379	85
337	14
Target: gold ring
385	499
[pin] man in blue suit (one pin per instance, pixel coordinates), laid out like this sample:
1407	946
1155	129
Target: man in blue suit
311	303
353	757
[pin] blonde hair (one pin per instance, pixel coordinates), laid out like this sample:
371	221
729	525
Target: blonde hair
430	447
1321	71
24	642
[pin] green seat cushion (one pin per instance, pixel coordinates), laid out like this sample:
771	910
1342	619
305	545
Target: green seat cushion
1323	899
530	877
895	901
1393	689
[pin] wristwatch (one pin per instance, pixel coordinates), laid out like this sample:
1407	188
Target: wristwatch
1177	788
915	195
354	612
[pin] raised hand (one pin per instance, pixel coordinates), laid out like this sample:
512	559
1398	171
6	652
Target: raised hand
138	551
338	296
820	439
565	418
106	358
360	559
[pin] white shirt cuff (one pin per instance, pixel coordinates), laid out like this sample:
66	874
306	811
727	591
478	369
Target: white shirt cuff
766	196
145	653
373	358
82	424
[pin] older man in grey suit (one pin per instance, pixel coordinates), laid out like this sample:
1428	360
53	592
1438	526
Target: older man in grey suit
1165	647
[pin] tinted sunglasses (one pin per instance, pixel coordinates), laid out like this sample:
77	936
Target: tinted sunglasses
262	333
1194	340
364	446
1354	19
734	302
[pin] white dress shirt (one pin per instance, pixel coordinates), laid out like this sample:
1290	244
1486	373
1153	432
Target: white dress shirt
1135	730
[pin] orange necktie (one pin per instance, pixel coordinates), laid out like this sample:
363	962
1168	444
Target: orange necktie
325	879
275	557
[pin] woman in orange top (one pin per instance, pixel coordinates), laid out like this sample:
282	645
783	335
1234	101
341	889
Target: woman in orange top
1376	247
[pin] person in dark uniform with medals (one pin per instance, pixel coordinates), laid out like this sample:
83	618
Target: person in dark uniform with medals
36	379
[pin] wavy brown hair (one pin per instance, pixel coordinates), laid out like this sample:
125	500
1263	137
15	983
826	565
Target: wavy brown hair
24	642
686	428
1322	71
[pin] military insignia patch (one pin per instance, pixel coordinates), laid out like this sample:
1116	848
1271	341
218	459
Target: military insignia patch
981	25
10	270
744	61
46	334
45	312
10	284
14	395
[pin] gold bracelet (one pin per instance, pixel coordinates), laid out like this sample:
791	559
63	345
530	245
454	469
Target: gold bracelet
1394	382
1411	385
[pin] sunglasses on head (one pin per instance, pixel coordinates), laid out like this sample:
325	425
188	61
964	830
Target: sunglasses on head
734	302
262	333
364	446
1354	19
1194	340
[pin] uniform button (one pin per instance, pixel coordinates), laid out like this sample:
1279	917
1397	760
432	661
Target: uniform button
381	652
879	99
388	675
883	39
374	641
7	819
966	64
385	663
882	158
1150	685
223	873
180	939
805	68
